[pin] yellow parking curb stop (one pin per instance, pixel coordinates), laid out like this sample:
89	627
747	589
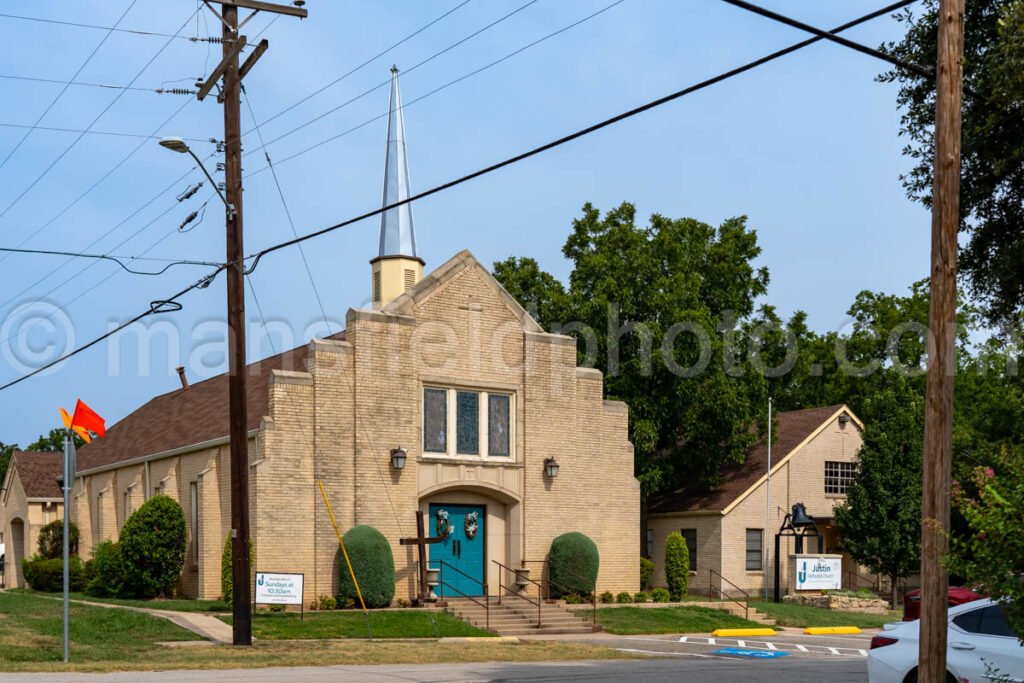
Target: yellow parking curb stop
831	630
742	632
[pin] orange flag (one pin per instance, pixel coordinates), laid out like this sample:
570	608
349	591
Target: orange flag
69	423
86	418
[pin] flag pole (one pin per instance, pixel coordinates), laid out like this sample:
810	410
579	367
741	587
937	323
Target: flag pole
69	471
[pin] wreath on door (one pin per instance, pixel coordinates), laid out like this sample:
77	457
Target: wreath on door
444	524
472	525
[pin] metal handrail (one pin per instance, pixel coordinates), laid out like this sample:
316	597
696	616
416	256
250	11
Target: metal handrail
853	577
487	598
593	593
746	596
540	588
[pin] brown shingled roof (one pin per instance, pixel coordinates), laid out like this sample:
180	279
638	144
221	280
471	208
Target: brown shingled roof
791	428
188	416
38	473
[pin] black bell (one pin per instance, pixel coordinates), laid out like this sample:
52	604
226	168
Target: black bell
800	517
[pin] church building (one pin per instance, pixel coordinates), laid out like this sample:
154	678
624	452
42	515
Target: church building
445	398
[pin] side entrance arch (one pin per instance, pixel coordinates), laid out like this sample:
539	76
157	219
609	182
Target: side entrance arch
15	552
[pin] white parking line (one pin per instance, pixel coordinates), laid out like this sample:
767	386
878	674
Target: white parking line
810	648
662	653
801	647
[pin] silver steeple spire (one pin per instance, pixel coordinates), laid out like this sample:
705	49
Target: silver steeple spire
397	235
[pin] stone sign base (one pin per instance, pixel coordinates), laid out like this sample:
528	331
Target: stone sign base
841	603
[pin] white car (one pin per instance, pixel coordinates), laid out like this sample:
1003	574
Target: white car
982	647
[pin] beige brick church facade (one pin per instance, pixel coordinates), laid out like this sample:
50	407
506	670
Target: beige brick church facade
448	368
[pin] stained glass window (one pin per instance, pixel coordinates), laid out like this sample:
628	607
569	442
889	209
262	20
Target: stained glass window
497	424
467	415
435	420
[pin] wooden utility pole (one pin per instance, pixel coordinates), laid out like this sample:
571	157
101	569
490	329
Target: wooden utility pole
241	571
938	433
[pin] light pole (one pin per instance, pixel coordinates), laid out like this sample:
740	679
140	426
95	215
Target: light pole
176	144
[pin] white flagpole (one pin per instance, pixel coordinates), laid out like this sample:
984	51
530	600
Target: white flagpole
69	475
768	502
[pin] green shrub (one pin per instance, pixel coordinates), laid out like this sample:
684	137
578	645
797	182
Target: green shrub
278	608
153	543
373	564
642	597
573	563
646	572
607	598
572	599
327	602
677	565
661	595
47	574
51	540
226	576
624	598
108	572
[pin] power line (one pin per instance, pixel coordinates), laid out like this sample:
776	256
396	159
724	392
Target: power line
55	129
94	121
66	86
388	81
287	212
119	260
584	132
114	28
361	66
445	86
538	150
105	86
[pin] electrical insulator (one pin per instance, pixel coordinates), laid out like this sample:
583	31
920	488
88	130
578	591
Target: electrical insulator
175	91
188	219
189	192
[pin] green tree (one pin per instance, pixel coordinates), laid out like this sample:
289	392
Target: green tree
153	543
677	566
992	177
990	555
6	451
692	401
51	540
880	521
54	442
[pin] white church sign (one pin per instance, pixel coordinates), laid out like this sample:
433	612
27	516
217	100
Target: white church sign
278	589
819	573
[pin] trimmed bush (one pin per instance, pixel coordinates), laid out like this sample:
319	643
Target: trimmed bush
607	598
573	563
51	540
660	595
624	598
677	565
47	574
108	572
642	597
227	579
153	543
373	564
646	572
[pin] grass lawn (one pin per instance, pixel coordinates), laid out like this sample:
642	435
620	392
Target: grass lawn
636	620
105	639
31	630
802	616
182	605
352	624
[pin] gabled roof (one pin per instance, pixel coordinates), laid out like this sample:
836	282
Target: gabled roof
185	417
38	473
792	430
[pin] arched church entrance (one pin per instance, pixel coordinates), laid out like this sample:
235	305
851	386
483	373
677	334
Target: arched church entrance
15	553
480	530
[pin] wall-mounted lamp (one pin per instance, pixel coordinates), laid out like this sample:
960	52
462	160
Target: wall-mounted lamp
551	467
398	458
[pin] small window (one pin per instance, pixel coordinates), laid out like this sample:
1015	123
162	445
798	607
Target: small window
839	476
410	279
467	415
376	287
690	536
650	543
127	505
435	420
498	417
755	550
194	495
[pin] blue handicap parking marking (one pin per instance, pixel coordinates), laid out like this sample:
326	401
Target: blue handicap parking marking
755	654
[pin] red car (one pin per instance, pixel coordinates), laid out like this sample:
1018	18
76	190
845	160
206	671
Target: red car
958	595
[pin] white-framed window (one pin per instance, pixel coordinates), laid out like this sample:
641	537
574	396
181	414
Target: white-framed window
755	550
839	476
193	489
467	422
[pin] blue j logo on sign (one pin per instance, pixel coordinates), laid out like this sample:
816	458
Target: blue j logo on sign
802	574
259	580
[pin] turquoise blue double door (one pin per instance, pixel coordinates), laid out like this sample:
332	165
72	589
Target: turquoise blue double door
461	556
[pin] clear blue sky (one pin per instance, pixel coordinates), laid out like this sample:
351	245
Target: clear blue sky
807	147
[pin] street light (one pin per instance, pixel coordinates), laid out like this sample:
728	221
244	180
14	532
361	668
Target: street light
176	144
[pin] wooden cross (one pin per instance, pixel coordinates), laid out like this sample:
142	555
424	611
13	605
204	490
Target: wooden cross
421	541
